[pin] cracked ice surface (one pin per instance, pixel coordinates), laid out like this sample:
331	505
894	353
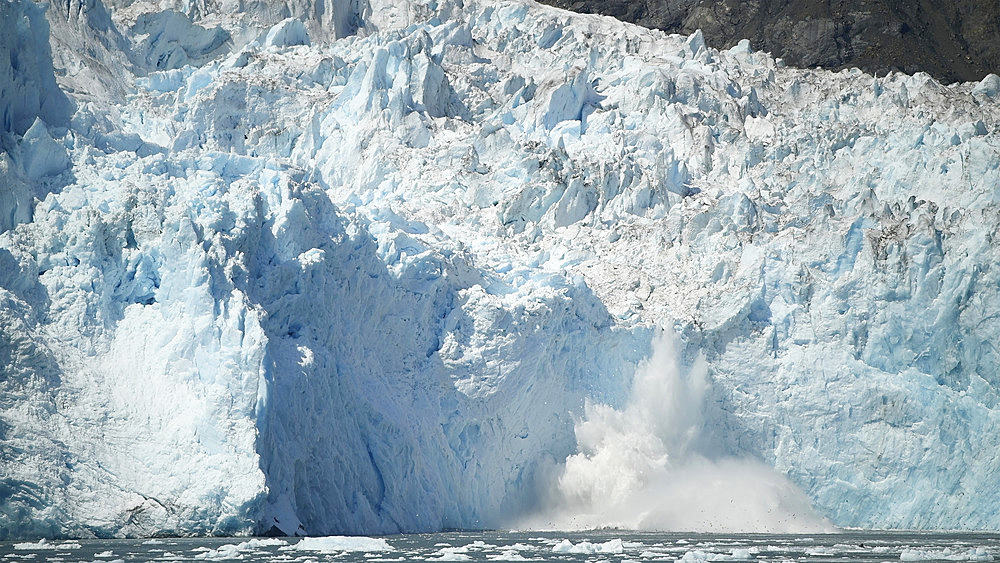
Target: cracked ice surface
366	284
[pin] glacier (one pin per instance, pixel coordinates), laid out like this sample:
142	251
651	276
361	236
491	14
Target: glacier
364	267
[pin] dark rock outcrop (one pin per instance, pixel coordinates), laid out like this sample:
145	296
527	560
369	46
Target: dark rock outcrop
952	41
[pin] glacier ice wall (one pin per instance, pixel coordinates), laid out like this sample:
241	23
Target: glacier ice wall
365	281
28	84
29	98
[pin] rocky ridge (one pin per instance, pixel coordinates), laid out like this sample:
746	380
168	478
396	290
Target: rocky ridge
951	41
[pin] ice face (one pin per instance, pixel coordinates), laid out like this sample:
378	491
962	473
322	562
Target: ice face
368	285
28	88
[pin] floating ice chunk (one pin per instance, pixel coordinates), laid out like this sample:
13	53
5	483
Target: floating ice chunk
44	544
335	544
228	551
508	555
566	546
737	554
946	554
236	551
287	33
448	555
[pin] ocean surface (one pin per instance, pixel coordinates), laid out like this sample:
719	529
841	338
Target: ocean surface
594	546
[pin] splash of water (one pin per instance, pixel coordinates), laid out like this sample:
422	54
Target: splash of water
640	467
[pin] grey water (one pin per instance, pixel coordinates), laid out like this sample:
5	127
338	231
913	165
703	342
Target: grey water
593	546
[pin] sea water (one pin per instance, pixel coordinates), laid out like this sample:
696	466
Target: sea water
592	546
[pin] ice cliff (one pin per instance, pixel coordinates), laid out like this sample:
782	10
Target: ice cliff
357	267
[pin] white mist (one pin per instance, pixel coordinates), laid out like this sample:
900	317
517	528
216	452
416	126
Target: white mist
640	467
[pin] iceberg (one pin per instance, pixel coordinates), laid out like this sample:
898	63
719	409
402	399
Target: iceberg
363	270
566	546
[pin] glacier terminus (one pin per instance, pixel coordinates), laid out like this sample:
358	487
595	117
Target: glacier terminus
367	267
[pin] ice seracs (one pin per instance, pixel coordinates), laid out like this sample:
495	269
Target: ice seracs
365	281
